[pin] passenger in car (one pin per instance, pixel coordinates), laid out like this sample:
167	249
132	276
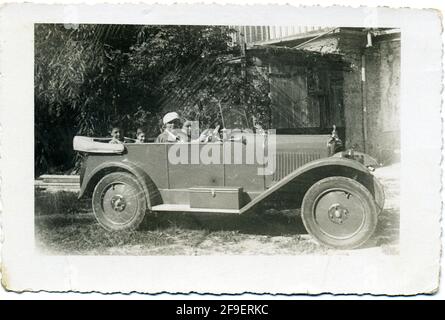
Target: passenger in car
117	135
187	130
140	136
170	121
257	126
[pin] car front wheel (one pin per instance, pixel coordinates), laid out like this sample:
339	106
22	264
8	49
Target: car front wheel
339	212
119	202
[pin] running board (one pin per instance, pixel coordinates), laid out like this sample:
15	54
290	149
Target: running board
187	208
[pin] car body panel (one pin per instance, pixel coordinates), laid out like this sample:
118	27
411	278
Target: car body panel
167	182
311	166
93	175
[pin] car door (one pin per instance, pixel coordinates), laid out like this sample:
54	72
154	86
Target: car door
195	164
242	160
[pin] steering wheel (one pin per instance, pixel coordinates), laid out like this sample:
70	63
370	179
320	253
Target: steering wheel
176	136
181	136
209	135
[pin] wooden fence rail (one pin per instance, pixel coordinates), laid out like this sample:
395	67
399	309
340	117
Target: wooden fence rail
50	182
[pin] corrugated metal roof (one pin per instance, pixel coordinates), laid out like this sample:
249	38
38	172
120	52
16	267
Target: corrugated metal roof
294	35
252	35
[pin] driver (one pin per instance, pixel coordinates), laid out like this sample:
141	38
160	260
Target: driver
187	129
170	121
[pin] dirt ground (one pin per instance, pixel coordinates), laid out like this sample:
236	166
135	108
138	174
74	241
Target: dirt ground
65	226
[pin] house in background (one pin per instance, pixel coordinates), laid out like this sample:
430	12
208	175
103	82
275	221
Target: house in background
319	77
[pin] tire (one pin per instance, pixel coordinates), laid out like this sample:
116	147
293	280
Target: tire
119	202
339	212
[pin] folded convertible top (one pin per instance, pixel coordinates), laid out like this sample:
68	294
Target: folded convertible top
93	145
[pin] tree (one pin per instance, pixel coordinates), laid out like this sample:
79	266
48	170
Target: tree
89	76
76	71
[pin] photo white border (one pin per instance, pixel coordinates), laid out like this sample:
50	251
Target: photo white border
415	270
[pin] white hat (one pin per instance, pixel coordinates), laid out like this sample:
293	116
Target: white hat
169	117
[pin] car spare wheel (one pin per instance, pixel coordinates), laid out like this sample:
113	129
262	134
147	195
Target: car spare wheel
339	212
119	202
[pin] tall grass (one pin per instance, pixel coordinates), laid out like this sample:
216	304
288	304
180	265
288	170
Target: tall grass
60	203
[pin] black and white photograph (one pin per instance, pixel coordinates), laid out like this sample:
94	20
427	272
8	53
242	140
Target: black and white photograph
126	94
293	148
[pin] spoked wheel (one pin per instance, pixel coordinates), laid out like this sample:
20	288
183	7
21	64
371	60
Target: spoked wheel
339	212
119	202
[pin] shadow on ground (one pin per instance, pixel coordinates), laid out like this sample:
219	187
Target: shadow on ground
268	222
64	208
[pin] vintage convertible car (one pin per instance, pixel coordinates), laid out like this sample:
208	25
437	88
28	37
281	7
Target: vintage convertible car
339	197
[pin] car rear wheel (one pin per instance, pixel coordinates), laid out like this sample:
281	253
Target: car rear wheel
119	202
339	212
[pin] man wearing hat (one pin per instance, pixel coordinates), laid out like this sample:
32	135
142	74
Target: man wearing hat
170	121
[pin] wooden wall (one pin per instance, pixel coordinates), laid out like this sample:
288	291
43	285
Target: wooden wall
306	98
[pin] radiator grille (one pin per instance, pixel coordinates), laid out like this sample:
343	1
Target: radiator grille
287	162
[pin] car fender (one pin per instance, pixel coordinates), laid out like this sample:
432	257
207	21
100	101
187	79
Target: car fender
150	190
352	167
